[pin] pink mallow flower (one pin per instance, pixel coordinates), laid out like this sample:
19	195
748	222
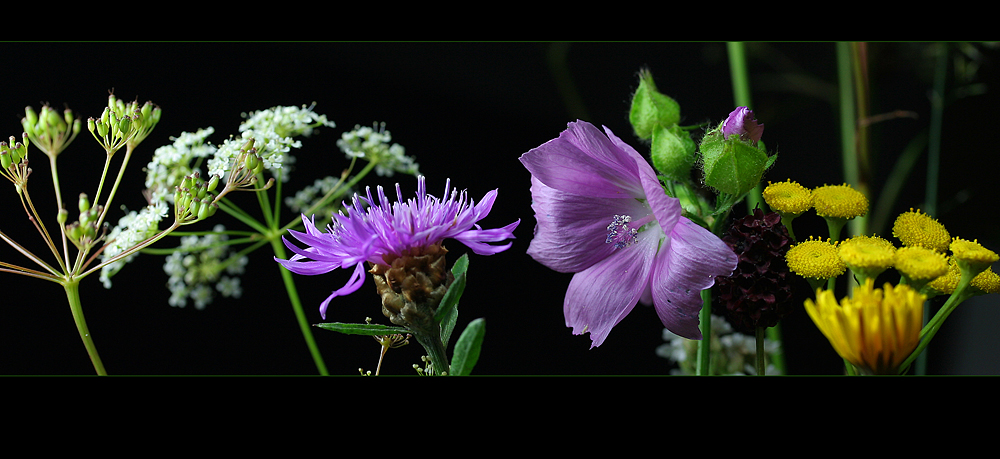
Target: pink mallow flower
603	215
741	123
379	231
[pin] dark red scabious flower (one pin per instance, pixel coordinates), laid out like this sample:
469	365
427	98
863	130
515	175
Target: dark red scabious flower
758	293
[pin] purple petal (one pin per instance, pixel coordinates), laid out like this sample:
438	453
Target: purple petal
477	239
584	161
602	295
355	282
687	263
571	229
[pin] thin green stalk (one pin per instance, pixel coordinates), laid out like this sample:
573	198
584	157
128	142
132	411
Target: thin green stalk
740	77
293	297
704	346
73	295
759	338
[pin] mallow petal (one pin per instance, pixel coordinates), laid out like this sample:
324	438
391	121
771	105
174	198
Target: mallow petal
688	262
584	161
601	296
571	230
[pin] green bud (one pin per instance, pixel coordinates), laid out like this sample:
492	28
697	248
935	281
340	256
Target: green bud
30	117
206	210
18	151
673	152
125	126
147	111
84	203
53	118
5	156
91	124
62	216
651	108
68	116
102	129
213	183
732	166
74	231
106	115
76	126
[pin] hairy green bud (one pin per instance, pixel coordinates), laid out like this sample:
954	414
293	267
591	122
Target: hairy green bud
650	108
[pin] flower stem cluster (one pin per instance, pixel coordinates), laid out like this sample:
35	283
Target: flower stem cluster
123	124
14	161
50	131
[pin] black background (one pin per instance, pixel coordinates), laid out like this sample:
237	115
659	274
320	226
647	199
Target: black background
466	111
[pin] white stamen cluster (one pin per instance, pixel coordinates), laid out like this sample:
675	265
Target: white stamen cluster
620	233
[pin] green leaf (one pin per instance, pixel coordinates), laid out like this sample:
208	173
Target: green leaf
447	312
467	348
362	329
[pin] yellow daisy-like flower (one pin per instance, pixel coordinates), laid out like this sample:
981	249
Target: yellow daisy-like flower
839	201
867	256
914	228
815	259
972	254
788	198
920	264
875	330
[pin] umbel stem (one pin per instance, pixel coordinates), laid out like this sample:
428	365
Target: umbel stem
73	295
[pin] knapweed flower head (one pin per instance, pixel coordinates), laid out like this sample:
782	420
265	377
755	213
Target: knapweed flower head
741	123
876	329
378	231
788	198
758	293
815	259
867	256
372	145
601	213
920	265
839	201
915	228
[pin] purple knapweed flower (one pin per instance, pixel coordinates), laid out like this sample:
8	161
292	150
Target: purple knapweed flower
603	215
379	231
742	123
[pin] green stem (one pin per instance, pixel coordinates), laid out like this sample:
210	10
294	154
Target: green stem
778	358
435	349
73	295
293	297
704	346
960	294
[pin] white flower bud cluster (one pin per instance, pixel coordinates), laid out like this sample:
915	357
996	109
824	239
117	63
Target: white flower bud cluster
201	266
132	229
286	121
734	353
171	163
372	144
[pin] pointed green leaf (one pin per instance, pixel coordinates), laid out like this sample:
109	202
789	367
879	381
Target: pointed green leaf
447	312
467	348
362	329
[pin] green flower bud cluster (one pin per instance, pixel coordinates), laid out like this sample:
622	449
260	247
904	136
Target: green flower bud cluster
82	232
123	124
194	199
50	131
13	153
654	117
